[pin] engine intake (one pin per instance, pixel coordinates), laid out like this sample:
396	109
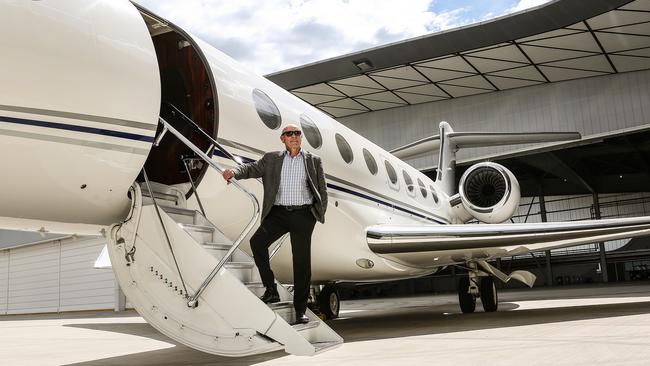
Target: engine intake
489	192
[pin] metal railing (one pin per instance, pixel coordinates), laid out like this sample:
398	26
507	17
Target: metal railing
215	144
192	300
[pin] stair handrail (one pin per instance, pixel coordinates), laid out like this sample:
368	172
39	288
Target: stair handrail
216	145
198	128
192	301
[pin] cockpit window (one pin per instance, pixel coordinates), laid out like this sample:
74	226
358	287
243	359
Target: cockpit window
267	110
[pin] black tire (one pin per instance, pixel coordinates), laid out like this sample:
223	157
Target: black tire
489	295
329	302
466	300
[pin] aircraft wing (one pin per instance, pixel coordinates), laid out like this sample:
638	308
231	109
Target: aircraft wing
385	239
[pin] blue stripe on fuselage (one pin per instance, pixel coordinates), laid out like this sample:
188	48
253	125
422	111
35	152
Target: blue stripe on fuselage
350	191
77	128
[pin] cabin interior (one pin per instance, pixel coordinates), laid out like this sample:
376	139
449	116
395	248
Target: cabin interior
186	85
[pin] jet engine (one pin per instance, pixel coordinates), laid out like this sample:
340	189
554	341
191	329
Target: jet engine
489	192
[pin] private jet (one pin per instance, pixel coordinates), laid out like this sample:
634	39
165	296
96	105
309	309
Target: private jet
117	122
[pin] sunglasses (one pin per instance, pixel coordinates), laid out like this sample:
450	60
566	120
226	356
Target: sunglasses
291	133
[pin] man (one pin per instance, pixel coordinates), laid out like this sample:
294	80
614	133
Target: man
295	196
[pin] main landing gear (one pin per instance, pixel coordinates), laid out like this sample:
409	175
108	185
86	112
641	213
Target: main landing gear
477	284
327	301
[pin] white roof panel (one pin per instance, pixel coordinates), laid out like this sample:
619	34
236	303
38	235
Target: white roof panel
630	63
440	74
613	42
508	83
617	18
455	63
591	63
485	65
353	91
559	74
526	72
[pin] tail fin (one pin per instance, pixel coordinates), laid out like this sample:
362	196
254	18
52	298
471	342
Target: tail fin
447	142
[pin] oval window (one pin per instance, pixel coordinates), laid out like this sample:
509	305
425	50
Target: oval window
344	148
408	181
370	162
392	174
433	194
311	132
423	189
267	110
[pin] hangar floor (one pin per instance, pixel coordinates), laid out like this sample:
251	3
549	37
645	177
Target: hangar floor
586	325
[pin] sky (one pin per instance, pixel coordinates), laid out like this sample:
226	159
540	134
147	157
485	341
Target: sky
274	35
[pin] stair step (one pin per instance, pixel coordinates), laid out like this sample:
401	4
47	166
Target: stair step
198	228
281	305
256	287
217	246
326	346
162	199
180	210
181	215
241	270
285	310
239	265
305	326
200	233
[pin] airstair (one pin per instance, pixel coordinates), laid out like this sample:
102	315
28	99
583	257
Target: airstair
193	284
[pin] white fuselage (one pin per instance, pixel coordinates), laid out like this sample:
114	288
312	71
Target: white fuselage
79	105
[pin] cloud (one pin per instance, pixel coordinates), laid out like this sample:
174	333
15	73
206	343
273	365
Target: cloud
525	4
274	35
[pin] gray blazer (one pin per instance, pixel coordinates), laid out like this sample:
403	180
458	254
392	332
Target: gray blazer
269	168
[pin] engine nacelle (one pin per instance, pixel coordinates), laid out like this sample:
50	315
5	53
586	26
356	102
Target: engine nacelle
489	192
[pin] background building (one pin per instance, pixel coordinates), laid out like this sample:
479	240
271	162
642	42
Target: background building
571	65
566	66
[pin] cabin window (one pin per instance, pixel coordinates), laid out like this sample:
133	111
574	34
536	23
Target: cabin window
408	181
267	110
344	148
392	174
311	132
370	162
423	189
433	194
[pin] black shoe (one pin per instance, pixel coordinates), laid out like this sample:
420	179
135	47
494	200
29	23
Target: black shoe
270	295
302	319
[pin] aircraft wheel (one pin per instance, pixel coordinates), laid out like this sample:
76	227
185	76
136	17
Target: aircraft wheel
466	300
489	296
329	301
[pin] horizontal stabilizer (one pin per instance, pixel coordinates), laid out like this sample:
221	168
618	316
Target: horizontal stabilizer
385	239
431	144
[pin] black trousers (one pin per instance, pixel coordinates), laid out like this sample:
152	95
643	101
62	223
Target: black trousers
300	225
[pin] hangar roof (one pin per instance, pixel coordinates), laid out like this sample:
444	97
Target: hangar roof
563	40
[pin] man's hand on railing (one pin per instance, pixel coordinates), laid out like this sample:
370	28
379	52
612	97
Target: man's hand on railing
228	174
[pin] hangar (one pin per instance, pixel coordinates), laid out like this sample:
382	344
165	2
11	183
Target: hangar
565	66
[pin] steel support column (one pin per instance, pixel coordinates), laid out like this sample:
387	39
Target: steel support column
542	213
601	245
